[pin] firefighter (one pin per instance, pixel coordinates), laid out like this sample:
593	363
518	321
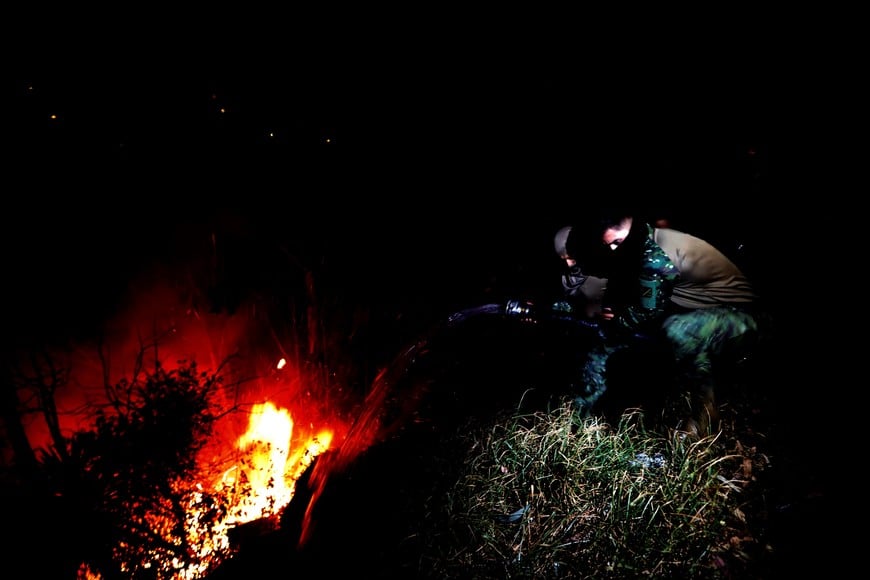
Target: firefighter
664	285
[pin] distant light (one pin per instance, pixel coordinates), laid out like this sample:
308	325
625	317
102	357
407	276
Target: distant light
53	117
282	363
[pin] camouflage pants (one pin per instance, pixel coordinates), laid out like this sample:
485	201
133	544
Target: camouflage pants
700	340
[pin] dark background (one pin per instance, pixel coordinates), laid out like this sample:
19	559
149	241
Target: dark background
419	185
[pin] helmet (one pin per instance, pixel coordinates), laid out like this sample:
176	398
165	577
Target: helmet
560	241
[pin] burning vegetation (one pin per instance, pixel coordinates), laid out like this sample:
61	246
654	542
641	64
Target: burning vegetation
140	463
158	486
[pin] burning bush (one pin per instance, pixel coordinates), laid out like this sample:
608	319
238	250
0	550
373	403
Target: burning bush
131	480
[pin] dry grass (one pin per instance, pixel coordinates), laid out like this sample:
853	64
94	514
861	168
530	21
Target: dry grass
548	495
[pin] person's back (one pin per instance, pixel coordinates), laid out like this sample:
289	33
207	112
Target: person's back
707	277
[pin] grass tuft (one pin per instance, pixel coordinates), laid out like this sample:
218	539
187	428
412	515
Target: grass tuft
548	495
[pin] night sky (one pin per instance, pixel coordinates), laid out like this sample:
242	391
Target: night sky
423	181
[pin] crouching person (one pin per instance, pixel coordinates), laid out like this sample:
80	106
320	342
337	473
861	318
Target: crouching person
663	287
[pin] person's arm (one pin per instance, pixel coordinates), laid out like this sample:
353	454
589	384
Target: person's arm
655	285
585	292
642	317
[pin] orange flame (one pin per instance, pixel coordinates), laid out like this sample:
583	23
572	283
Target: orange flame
268	472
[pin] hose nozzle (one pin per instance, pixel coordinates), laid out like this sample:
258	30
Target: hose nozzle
521	310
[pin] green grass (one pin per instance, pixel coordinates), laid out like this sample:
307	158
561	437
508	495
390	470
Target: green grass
548	495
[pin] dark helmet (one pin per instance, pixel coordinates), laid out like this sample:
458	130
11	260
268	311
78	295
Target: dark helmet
560	241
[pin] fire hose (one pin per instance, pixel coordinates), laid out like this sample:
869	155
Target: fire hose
527	312
562	313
